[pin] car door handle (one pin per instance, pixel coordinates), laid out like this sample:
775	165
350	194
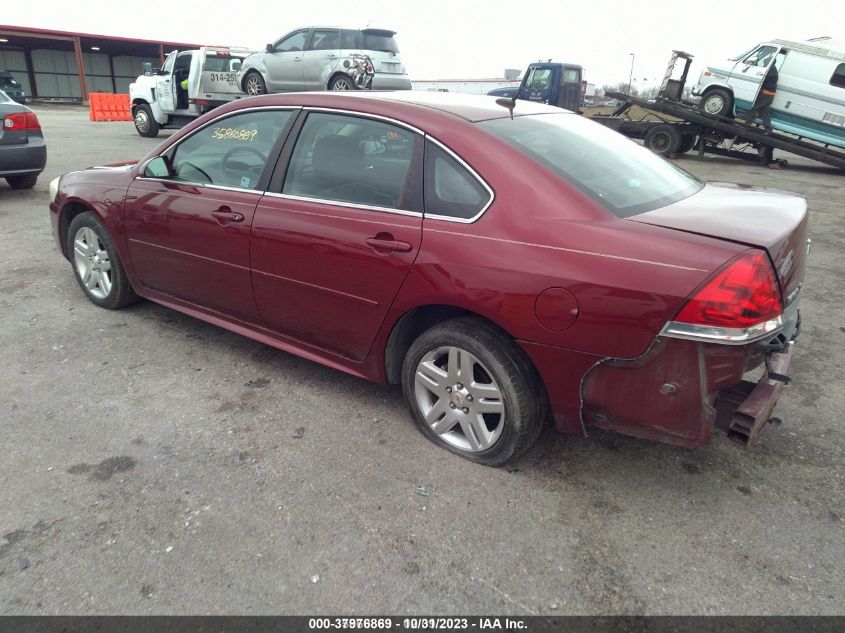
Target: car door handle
332	56
224	215
387	243
297	59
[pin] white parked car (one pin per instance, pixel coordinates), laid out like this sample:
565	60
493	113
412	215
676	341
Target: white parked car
326	58
810	96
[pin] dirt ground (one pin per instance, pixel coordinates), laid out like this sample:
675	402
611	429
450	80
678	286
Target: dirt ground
152	463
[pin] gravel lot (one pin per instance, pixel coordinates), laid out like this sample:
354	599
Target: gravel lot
155	464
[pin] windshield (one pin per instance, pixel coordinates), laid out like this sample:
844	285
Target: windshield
8	82
742	55
623	176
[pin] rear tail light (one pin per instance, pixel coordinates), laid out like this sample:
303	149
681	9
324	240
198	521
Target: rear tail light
21	121
740	304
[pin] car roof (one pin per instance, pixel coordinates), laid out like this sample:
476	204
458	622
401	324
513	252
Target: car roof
469	107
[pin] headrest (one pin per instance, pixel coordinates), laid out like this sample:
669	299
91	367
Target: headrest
336	159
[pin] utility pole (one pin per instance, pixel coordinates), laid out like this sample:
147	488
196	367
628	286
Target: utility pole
631	76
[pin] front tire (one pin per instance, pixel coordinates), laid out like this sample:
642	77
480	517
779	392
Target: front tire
145	123
22	182
96	263
255	85
718	102
473	391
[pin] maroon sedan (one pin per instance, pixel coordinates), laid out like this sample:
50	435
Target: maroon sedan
500	265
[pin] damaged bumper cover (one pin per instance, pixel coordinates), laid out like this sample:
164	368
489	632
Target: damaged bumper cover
682	388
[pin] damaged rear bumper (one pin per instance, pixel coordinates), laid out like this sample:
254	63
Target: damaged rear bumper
743	410
680	390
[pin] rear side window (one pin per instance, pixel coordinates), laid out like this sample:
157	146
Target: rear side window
357	161
324	40
450	189
623	176
838	78
230	152
349	39
220	64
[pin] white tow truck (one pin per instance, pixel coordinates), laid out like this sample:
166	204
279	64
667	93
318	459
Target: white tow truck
188	84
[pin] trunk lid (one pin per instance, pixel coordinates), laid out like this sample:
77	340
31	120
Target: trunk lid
755	216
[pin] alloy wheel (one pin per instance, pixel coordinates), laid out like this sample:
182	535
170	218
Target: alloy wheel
341	84
459	399
253	86
92	263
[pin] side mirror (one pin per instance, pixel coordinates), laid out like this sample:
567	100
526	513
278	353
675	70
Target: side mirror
751	61
269	48
148	69
158	167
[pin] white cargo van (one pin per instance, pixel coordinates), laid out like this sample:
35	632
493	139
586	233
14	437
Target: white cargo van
188	84
810	96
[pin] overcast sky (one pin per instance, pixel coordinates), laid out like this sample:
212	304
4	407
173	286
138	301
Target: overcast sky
442	39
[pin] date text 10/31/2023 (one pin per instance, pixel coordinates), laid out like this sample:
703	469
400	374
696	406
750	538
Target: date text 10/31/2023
418	623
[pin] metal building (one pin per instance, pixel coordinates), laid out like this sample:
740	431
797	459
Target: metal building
65	65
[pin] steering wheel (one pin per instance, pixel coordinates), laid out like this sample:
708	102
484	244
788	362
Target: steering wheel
237	171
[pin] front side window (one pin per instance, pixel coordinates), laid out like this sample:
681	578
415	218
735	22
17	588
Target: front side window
293	42
450	189
623	176
230	152
167	66
325	40
355	160
761	57
539	78
838	78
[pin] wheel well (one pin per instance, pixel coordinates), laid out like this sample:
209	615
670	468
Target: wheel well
408	328
251	71
69	211
711	88
336	74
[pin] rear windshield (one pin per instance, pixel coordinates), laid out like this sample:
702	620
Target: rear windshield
368	40
623	176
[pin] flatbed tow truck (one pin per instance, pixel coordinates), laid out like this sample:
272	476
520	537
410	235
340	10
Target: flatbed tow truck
687	127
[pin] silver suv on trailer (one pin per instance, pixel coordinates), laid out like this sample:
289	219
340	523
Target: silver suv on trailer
326	58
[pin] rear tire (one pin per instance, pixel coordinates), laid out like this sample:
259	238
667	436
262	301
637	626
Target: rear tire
688	141
717	101
342	82
473	392
254	84
663	139
96	263
145	123
26	181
